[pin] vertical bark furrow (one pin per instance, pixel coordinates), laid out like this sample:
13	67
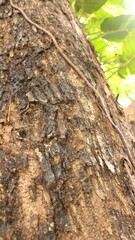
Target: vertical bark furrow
60	170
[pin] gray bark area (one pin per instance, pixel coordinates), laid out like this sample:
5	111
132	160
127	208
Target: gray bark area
62	173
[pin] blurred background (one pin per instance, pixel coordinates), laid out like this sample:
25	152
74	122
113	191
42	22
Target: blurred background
110	26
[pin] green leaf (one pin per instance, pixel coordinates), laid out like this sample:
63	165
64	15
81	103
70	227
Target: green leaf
128	56
110	58
112	34
100	45
102	14
89	6
115	84
117	28
118	3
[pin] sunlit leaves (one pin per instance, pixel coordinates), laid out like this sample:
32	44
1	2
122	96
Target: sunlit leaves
100	46
118	3
89	6
117	28
112	32
128	55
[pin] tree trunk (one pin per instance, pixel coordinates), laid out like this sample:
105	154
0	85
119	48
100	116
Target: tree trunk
65	172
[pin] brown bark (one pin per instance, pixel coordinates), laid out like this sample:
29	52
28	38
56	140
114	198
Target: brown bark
64	171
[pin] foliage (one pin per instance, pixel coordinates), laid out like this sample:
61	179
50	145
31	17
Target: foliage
112	31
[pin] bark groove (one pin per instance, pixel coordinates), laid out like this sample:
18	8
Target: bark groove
61	170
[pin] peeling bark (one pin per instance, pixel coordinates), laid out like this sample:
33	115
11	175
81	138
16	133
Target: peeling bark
64	172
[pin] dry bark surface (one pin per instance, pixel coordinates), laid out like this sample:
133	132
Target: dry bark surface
64	172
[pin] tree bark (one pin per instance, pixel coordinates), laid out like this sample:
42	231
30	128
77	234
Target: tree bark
64	172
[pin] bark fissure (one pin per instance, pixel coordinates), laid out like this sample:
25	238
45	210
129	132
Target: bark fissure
60	171
87	81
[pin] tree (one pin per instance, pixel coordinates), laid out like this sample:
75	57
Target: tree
66	151
110	26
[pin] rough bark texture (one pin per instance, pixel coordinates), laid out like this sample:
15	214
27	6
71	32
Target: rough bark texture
63	168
